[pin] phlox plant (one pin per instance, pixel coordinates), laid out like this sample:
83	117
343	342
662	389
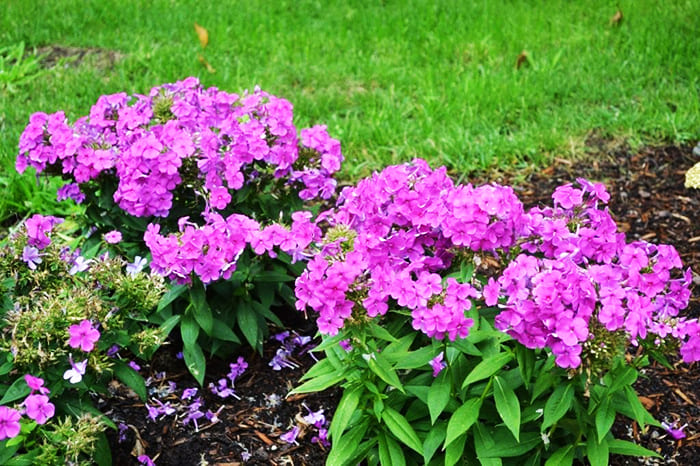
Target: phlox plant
465	329
65	319
218	188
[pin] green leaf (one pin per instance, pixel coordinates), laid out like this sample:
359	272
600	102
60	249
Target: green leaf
248	322
390	451
641	414
189	329
487	368
557	405
222	331
195	362
169	324
381	333
507	405
171	295
625	377
597	451
345	410
379	365
102	454
438	396
272	276
526	362
131	379
321	367
604	417
435	438
343	449
319	383
462	420
18	389
562	457
623	447
455	451
202	312
399	426
415	359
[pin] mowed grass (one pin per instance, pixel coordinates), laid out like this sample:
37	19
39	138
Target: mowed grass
393	80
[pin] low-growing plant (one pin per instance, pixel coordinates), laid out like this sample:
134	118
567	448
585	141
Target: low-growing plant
64	317
464	329
218	188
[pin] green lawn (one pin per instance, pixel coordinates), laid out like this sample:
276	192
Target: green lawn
394	79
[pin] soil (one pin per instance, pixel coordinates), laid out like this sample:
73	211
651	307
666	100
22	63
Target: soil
647	199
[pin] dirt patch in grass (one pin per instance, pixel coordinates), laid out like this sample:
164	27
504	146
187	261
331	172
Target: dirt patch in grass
66	56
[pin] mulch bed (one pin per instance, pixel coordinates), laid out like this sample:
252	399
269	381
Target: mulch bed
647	199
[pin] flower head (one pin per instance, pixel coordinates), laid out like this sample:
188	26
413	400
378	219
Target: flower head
437	364
9	422
83	336
31	257
113	237
76	372
39	408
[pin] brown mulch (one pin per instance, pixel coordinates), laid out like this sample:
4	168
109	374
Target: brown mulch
649	202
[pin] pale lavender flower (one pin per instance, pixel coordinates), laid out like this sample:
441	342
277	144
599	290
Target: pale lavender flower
31	256
80	264
137	266
76	372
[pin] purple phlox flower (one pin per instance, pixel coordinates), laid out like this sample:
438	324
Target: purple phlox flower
345	344
245	455
113	237
237	368
9	422
282	336
315	418
213	416
137	266
180	355
322	437
437	364
193	414
222	389
281	359
36	384
159	409
188	393
79	264
76	372
113	351
291	435
134	366
675	432
145	460
38	408
122	432
83	336
31	256
38	227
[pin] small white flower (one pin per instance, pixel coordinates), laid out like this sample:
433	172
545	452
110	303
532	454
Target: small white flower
76	372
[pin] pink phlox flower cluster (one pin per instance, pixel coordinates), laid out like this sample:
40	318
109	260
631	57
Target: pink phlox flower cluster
38	228
211	251
549	304
317	177
393	235
144	141
403	229
589	270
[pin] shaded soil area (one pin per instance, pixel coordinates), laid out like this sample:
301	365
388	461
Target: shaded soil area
647	199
